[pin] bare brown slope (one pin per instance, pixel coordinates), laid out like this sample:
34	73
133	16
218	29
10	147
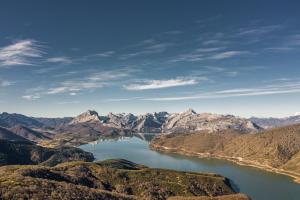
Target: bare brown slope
277	148
6	134
29	134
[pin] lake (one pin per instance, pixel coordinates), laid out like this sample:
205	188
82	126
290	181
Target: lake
257	183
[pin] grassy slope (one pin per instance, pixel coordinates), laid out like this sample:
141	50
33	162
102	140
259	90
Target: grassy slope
114	179
277	148
23	152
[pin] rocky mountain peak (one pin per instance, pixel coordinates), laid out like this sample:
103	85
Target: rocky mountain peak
88	116
190	121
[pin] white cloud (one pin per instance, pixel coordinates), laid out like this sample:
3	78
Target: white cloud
121	99
58	90
31	97
74	86
146	47
68	102
210	42
206	54
23	52
259	30
89	82
63	60
4	83
105	54
204	50
228	54
285	88
110	75
158	84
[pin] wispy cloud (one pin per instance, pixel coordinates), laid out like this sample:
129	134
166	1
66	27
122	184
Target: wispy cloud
212	49
32	94
228	54
294	40
62	60
74	86
31	97
146	47
207	54
88	82
197	54
212	42
159	84
286	88
290	43
259	30
68	102
4	83
111	74
92	81
121	99
105	54
22	52
279	49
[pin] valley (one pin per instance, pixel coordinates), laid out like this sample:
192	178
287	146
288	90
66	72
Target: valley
50	142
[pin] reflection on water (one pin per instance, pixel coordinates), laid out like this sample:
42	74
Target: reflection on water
259	184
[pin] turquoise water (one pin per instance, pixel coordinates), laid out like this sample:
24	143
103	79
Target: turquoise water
258	184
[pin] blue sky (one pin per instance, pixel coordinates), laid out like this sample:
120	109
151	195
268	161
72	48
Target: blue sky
59	58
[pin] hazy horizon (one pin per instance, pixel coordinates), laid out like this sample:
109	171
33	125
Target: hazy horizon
60	59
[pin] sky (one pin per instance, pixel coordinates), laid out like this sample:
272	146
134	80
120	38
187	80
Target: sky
60	58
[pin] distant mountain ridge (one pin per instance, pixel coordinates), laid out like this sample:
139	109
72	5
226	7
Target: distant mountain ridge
275	122
158	122
11	119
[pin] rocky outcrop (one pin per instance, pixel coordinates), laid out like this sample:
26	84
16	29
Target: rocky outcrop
150	123
122	120
88	116
190	121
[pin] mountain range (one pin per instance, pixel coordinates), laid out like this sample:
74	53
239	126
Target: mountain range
158	122
89	125
275	122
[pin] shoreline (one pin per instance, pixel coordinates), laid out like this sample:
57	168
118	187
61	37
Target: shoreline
237	160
